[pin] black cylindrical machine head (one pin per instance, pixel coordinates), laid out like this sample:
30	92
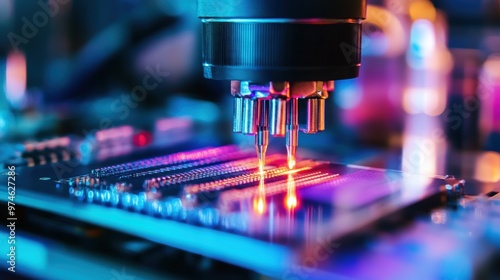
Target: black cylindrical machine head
281	40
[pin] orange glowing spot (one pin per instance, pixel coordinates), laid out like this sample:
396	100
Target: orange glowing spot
291	201
259	202
291	197
259	205
422	10
261	167
291	163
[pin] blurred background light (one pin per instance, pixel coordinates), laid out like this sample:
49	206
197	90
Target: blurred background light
16	75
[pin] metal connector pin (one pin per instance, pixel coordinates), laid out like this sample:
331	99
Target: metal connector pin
312	115
249	118
292	131
262	136
277	117
237	114
321	115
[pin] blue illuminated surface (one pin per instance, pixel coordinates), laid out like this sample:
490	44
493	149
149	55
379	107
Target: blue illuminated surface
29	253
44	259
267	258
197	110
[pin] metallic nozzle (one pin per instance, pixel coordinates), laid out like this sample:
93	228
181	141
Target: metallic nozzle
249	118
291	152
262	136
237	114
312	115
321	115
292	132
261	155
278	117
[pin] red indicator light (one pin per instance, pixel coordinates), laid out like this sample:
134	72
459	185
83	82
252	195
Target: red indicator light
142	138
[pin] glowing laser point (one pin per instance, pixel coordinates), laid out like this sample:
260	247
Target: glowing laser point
291	162
261	166
259	202
291	202
291	196
259	205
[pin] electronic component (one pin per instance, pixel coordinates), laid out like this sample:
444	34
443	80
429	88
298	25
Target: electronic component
221	182
218	196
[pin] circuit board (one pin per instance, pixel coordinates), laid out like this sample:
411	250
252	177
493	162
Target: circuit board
205	199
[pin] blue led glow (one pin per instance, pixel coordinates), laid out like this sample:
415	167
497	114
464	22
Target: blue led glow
348	94
422	38
90	195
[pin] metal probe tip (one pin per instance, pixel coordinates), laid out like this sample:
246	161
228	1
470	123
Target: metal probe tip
291	151
261	154
292	132
262	136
